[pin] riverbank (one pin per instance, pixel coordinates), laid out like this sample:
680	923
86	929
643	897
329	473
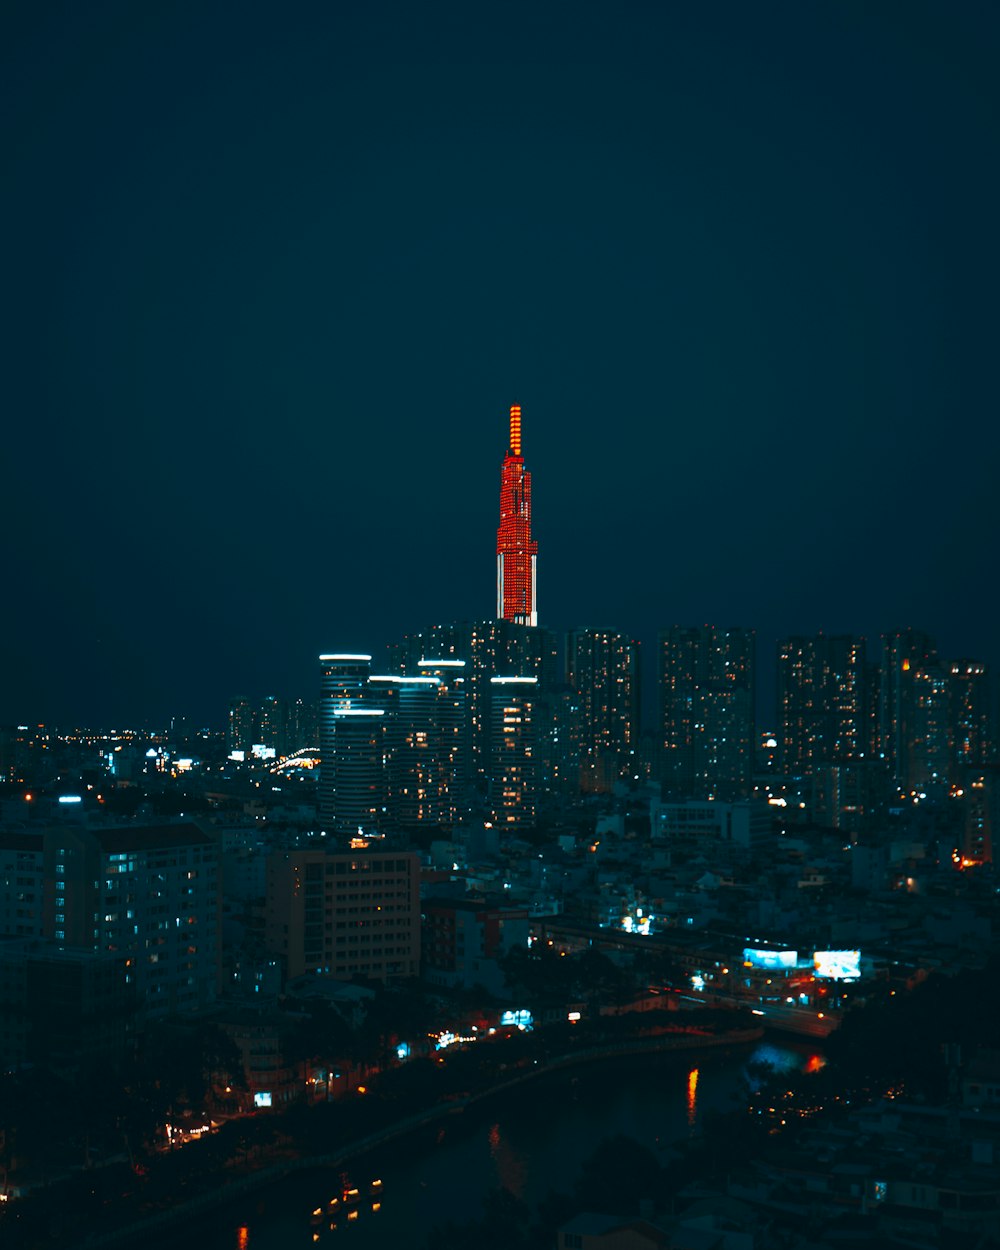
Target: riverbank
234	1188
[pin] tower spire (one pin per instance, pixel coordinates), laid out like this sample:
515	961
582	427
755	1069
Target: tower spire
515	429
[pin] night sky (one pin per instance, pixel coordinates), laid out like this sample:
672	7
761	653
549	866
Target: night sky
273	275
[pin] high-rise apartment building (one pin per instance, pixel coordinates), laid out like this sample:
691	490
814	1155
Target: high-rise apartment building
822	701
904	653
602	666
706	678
948	723
240	725
517	551
935	714
969	697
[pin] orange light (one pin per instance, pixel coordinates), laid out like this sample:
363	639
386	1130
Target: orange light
906	666
242	1237
692	1098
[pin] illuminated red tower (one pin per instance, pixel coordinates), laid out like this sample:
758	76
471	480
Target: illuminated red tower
516	551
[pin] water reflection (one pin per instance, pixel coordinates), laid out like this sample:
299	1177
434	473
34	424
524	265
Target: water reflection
692	1105
509	1164
534	1141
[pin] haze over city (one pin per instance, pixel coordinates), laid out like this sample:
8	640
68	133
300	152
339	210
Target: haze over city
273	284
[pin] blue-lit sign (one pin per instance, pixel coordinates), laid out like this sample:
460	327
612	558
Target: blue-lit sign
774	961
521	1019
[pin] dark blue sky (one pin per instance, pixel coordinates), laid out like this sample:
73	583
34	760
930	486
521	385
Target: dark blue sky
273	275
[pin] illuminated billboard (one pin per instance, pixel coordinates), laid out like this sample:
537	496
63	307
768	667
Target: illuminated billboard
521	1019
837	965
262	1098
772	961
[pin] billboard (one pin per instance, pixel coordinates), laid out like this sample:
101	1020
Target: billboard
837	965
772	961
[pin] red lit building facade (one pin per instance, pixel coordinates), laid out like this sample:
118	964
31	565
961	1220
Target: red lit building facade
517	552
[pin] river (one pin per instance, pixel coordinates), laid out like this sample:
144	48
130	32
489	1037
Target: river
531	1140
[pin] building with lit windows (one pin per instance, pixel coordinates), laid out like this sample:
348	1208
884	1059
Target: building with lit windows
969	699
489	648
357	793
413	768
149	894
904	653
513	772
22	876
345	914
450	794
602	666
517	551
240	725
948	715
343	683
935	714
822	701
706	680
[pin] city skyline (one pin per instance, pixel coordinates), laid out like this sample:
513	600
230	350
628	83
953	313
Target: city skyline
265	321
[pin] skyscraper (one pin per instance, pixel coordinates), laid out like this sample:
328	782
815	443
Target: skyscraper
343	682
603	668
490	648
517	552
513	755
822	701
905	652
707	711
